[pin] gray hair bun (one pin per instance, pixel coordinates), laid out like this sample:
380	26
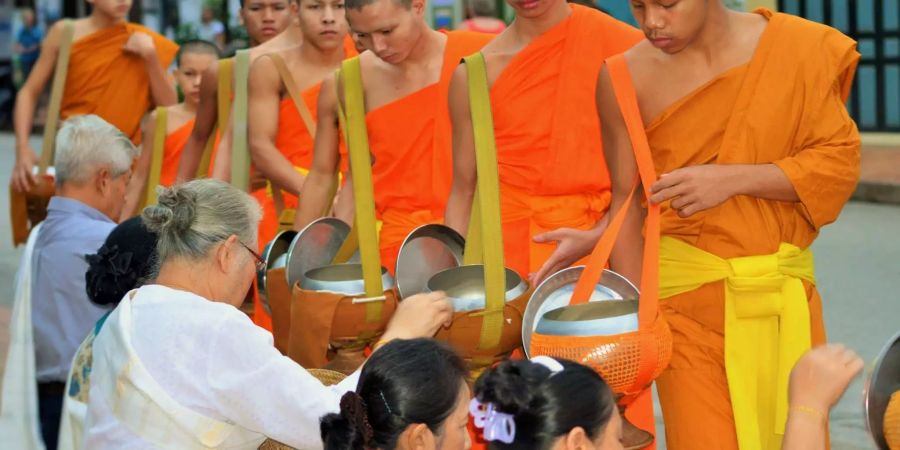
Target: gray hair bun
175	211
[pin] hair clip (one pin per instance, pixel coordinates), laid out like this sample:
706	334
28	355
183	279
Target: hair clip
497	426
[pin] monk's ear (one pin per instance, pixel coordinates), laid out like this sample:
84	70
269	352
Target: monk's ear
418	7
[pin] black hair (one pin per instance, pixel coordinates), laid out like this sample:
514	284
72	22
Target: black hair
197	46
546	405
406	382
124	262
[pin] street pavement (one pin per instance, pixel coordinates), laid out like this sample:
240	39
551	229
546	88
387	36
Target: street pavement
857	267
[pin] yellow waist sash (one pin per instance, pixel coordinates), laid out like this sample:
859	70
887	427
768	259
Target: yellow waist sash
766	327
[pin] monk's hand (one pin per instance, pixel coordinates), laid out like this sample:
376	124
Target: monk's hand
695	188
571	245
140	44
23	177
821	376
420	315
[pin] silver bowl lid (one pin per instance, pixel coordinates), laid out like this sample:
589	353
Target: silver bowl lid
428	250
275	249
883	381
556	292
315	246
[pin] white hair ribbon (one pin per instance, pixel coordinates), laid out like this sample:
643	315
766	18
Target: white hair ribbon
497	426
548	362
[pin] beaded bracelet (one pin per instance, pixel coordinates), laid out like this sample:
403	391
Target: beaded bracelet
809	412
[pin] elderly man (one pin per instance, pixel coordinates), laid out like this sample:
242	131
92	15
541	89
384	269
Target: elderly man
93	165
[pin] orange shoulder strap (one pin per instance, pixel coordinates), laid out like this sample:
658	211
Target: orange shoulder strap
627	99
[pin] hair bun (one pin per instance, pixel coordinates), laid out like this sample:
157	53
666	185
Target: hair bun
175	210
511	386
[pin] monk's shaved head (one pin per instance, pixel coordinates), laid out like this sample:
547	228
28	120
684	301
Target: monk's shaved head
358	4
197	46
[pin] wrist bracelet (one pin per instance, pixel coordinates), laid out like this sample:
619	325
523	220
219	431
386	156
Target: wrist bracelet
813	412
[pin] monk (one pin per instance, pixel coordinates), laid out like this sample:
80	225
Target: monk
117	70
553	183
193	58
271	25
755	153
405	78
281	140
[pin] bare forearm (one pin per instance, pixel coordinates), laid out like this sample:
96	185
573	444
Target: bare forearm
628	253
459	209
23	118
315	199
804	432
765	181
162	92
276	168
190	158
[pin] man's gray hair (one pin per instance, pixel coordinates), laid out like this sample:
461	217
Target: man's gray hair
87	143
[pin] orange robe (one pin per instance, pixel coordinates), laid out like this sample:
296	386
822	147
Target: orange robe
549	152
413	167
106	81
785	107
172	152
173	146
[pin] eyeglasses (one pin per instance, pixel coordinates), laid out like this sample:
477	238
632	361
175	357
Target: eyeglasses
260	263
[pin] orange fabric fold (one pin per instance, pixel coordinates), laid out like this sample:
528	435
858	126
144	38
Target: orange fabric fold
413	162
785	107
106	81
549	151
174	144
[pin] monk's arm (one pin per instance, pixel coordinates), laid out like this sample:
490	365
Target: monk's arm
344	208
222	164
825	172
162	91
459	205
264	98
204	125
26	104
627	254
316	188
141	170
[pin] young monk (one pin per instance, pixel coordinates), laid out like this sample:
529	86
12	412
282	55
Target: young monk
553	182
271	25
554	187
193	59
117	70
281	141
405	78
755	153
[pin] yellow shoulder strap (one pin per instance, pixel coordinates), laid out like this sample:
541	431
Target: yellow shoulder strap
223	92
159	149
240	156
291	87
486	206
56	92
361	168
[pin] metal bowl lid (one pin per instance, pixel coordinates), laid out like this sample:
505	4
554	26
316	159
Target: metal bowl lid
556	291
883	381
275	249
428	250
315	246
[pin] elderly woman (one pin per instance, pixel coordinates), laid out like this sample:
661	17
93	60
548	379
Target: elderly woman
174	363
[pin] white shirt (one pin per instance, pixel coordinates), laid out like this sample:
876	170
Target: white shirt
213	360
209	31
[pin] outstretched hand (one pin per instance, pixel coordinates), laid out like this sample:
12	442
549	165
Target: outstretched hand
571	245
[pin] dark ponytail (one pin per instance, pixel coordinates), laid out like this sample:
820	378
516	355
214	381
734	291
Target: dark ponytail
545	404
406	382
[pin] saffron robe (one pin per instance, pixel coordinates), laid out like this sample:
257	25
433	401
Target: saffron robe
549	151
106	81
785	107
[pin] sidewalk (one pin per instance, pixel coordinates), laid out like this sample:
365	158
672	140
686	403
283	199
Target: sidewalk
879	175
